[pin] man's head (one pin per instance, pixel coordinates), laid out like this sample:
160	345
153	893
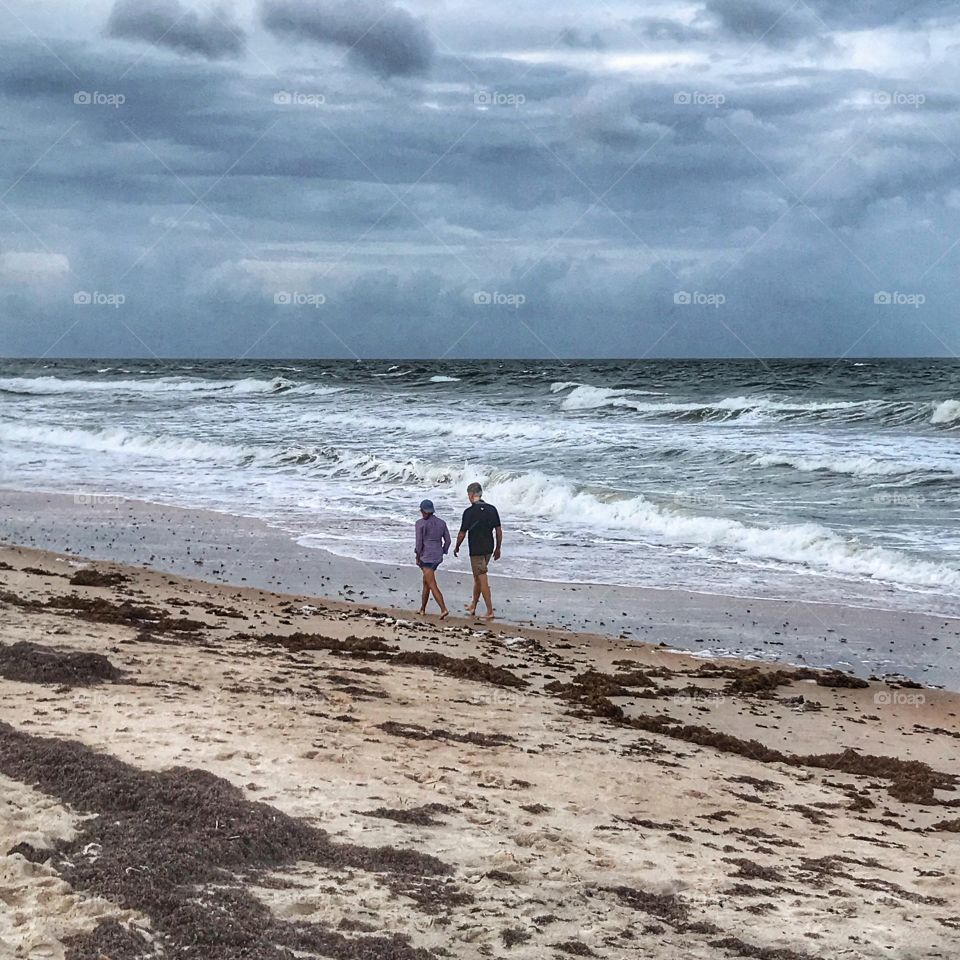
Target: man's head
474	492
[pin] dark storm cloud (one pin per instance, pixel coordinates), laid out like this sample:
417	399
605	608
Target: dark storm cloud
771	22
378	34
776	23
573	38
665	30
167	23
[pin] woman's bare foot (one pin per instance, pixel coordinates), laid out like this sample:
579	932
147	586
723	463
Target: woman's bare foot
489	615
471	608
422	612
444	614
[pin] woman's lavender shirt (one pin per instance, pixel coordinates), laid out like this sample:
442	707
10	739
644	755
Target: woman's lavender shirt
433	539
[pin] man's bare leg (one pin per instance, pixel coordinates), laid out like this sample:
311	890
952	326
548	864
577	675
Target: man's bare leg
484	586
472	606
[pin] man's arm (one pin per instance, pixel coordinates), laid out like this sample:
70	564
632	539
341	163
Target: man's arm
464	526
496	552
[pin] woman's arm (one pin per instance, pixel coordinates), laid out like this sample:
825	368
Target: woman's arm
446	537
419	546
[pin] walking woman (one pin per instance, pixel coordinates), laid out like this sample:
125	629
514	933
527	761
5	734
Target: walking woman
433	541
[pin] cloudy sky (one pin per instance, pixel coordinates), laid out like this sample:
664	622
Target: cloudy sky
443	178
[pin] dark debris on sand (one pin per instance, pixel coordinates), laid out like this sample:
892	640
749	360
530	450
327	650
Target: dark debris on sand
91	577
299	642
422	816
413	731
174	846
101	610
465	668
27	662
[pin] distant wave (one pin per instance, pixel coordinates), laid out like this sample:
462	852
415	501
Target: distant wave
855	466
758	409
46	386
439	378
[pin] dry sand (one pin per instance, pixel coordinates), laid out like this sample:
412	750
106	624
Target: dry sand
278	776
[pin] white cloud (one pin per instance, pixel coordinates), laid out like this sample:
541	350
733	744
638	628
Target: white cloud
32	267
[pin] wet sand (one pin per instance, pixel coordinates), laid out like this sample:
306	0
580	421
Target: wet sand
227	549
191	769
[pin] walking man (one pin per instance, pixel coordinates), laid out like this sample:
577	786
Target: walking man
481	523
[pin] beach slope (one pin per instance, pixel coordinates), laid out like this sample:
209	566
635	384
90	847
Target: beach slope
191	769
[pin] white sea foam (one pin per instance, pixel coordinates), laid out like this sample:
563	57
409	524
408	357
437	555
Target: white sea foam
808	543
948	411
118	440
442	379
534	494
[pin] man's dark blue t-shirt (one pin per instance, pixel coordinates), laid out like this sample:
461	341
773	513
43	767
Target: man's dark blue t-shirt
479	521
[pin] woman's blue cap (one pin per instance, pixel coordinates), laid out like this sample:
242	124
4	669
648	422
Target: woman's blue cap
426	506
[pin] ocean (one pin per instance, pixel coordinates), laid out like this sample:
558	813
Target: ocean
820	480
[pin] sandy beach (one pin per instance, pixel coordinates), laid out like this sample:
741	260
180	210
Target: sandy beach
194	769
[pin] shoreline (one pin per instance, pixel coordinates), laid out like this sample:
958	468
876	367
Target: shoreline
405	787
225	548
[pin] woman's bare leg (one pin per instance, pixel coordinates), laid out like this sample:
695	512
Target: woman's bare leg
430	580
425	591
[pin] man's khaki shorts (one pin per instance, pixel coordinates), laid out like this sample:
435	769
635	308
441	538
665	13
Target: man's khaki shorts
479	564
